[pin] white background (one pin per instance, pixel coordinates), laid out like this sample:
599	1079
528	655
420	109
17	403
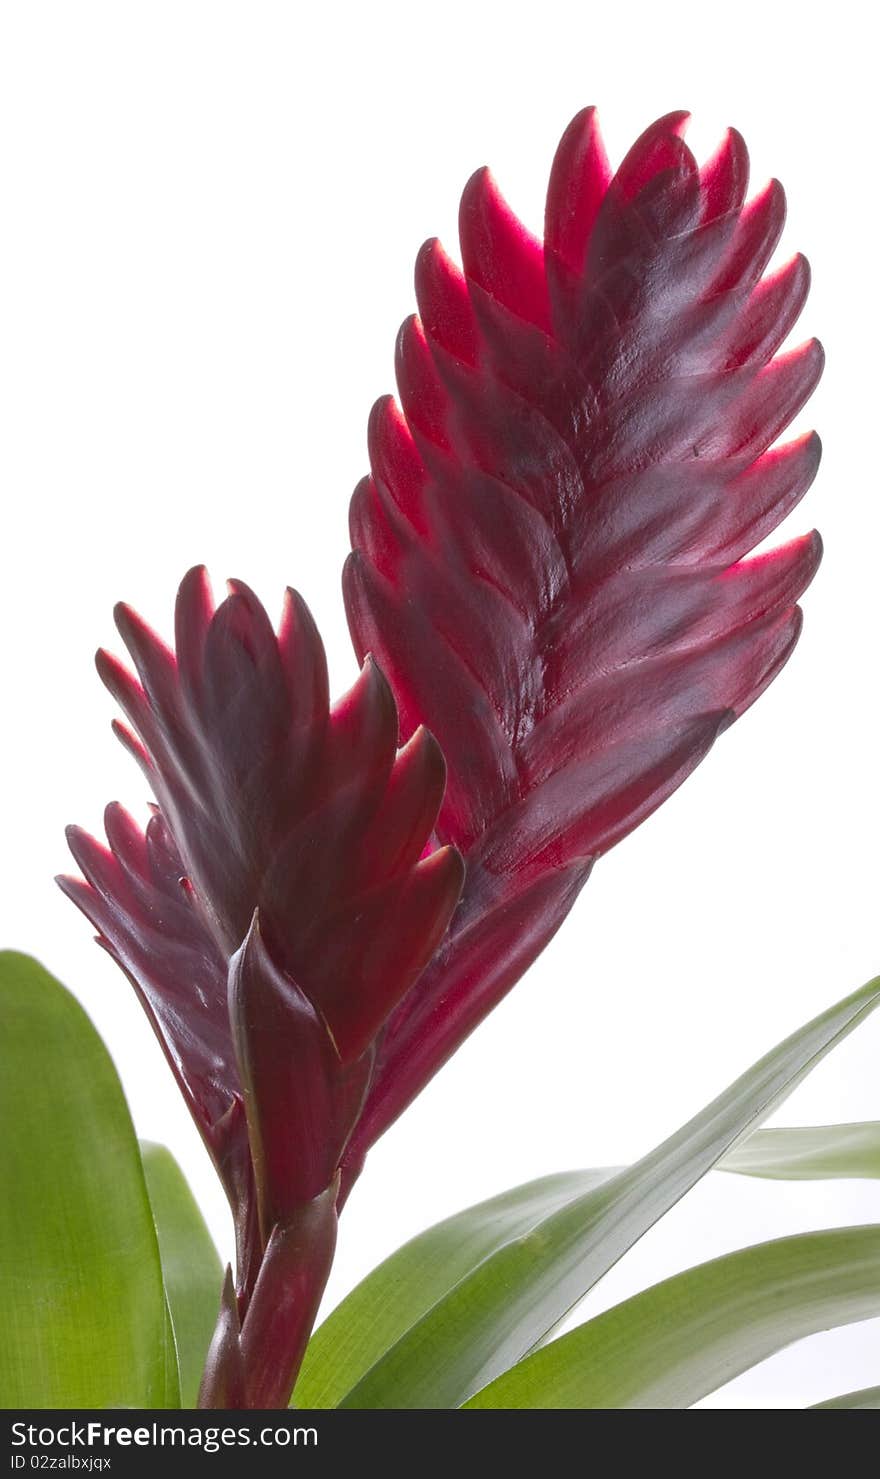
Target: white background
210	214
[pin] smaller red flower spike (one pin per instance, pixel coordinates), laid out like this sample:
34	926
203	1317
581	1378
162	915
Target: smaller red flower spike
300	829
279	803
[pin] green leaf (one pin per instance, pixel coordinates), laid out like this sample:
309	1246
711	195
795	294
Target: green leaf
809	1153
673	1344
867	1398
516	1294
190	1265
416	1277
83	1321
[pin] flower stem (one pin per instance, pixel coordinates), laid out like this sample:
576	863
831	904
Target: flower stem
254	1358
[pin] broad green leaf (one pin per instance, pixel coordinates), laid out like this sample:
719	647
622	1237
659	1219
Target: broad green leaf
867	1398
516	1294
809	1153
673	1344
409	1283
190	1265
83	1320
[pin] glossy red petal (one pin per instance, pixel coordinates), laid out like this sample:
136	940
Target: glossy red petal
755	238
421	666
300	1106
586	804
769	315
658	152
445	307
579	181
193	611
499	253
763	495
421	389
396	463
365	969
134	703
155	664
412	801
135	896
724	178
305	666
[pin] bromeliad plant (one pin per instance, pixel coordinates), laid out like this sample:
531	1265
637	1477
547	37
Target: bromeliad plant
548	568
549	588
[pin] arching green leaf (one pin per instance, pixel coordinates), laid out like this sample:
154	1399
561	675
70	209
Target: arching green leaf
83	1318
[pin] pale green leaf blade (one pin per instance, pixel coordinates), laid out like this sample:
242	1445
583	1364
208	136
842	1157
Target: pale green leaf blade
510	1301
190	1265
401	1290
83	1319
809	1152
868	1399
682	1339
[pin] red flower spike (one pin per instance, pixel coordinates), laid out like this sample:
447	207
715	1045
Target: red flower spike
308	819
279	803
548	558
